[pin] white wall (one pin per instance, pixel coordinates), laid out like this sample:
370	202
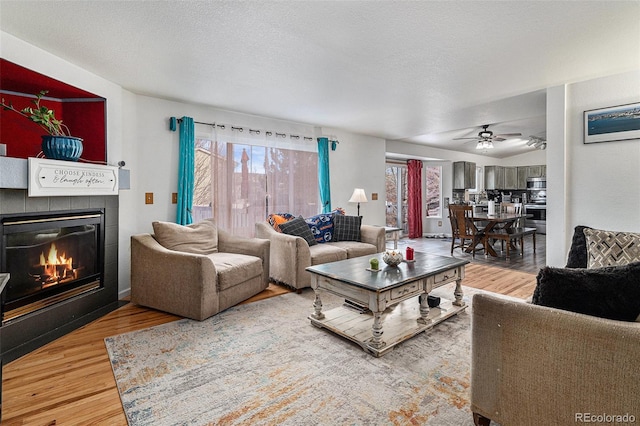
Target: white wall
358	162
557	229
531	158
602	180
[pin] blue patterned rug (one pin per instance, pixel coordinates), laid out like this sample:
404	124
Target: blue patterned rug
263	363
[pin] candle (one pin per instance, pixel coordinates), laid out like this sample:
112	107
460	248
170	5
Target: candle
374	263
409	253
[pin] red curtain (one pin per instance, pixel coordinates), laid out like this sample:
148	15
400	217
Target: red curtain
414	190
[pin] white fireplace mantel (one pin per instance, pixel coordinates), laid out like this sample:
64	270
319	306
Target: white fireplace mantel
14	174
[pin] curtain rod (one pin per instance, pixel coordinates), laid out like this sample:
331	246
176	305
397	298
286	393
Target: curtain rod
240	129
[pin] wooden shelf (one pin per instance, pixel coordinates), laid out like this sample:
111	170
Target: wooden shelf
14	174
83	112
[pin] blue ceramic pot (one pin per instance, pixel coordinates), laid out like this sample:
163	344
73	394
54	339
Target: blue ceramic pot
62	147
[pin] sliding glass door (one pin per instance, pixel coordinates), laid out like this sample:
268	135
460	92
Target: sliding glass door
396	196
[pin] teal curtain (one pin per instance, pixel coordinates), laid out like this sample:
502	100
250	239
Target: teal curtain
186	171
323	174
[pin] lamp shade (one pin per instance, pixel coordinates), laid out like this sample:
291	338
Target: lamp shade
358	196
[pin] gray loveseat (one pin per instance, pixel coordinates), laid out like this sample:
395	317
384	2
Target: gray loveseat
202	282
290	255
534	365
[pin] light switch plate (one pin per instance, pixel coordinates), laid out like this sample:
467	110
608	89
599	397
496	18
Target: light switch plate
174	197
148	197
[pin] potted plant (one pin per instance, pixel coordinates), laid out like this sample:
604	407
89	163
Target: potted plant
58	144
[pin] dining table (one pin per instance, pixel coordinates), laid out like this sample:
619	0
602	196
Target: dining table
490	221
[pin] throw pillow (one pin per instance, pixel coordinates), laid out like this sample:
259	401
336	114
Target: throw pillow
322	225
299	228
609	248
347	228
612	292
276	219
578	251
198	238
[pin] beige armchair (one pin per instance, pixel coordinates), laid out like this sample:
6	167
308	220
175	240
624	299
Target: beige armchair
290	255
535	365
198	286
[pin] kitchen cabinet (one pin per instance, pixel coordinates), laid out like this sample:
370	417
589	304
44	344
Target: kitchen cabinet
523	174
493	177
464	175
510	177
537	171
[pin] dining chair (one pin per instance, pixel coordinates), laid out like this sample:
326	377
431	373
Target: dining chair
521	228
455	232
463	226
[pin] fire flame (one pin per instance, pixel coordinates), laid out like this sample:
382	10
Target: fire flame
52	260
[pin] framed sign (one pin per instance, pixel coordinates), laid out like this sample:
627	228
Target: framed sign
612	124
59	178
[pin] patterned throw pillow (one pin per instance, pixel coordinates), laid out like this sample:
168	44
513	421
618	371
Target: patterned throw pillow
347	228
322	225
299	228
276	219
611	248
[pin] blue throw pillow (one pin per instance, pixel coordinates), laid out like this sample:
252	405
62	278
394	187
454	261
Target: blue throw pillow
322	225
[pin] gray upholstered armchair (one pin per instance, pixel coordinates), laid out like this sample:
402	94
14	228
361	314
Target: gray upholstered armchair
197	285
535	365
569	357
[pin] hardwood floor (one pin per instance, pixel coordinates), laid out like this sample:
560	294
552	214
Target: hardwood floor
70	381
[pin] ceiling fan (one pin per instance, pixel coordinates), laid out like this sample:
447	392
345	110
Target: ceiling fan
486	137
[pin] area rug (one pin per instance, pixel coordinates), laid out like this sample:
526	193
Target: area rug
263	363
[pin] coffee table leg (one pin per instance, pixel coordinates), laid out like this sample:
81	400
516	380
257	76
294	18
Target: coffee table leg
457	293
376	330
424	309
317	306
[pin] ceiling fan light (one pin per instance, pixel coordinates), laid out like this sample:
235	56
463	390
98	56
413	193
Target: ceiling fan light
484	145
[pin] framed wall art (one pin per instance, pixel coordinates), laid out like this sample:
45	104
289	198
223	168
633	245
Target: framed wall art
612	124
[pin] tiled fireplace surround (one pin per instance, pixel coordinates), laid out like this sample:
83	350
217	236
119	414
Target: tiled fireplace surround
23	335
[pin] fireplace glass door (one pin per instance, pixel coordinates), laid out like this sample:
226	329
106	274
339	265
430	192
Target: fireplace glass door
49	257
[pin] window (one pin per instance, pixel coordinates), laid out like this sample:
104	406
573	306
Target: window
433	191
241	180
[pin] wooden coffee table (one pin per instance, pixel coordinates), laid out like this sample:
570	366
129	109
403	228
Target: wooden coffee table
391	296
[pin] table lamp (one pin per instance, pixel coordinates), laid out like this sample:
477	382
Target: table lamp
358	196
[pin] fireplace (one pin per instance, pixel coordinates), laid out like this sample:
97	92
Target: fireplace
62	254
52	257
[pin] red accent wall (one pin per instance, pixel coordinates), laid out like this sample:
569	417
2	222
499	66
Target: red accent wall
83	112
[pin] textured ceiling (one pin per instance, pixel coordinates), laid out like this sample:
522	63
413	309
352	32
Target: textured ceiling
420	71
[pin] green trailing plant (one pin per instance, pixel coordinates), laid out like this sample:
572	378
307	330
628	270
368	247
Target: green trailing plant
41	115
